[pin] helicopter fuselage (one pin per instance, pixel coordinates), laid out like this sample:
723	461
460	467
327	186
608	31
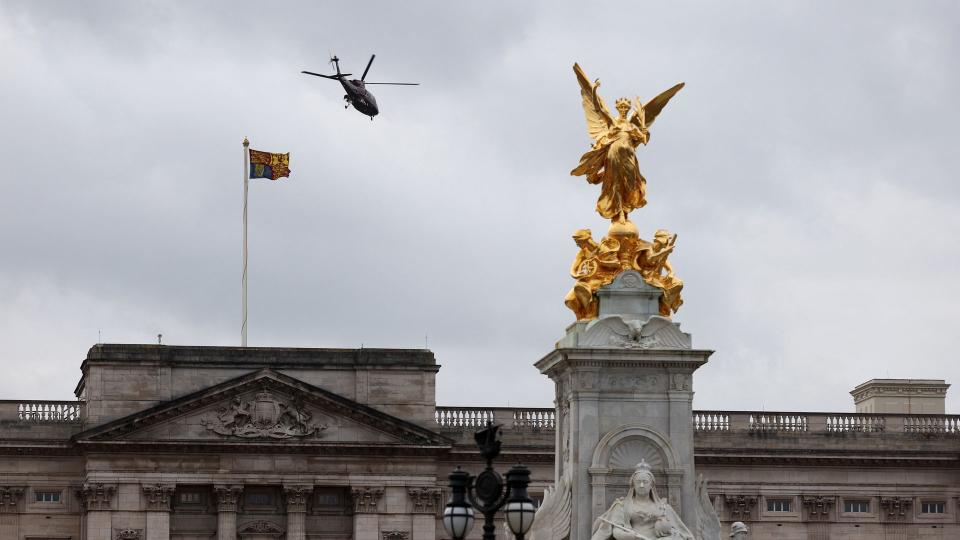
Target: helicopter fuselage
358	96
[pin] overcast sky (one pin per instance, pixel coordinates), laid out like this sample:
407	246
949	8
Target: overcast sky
809	167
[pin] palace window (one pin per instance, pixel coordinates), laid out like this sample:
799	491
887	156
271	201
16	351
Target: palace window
933	507
778	505
856	507
260	499
190	497
47	496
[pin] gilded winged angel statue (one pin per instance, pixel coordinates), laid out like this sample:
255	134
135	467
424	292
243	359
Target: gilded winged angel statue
612	162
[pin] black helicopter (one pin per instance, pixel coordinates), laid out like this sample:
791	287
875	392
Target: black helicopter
357	93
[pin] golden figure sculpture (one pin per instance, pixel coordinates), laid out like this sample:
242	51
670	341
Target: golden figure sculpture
652	262
612	162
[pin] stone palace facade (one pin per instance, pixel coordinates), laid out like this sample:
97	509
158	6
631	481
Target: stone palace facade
226	443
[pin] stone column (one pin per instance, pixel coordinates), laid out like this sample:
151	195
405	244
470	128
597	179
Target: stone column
366	522
425	505
296	497
624	385
10	497
96	499
157	499
228	498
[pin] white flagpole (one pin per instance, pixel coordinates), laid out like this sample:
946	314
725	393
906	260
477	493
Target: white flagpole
246	182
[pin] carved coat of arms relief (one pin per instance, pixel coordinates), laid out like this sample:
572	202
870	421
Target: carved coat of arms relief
265	416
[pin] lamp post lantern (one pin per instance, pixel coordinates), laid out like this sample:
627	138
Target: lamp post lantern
486	493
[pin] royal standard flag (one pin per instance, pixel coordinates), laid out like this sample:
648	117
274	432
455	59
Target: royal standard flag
269	165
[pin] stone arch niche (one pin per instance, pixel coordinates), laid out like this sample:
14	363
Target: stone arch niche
616	457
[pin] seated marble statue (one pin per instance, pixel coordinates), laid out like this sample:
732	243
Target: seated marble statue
641	515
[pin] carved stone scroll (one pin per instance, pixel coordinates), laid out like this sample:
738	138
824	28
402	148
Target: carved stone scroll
129	534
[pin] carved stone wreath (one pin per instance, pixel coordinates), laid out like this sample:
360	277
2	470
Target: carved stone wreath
129	534
264	417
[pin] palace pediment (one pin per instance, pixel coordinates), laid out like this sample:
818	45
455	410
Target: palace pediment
264	408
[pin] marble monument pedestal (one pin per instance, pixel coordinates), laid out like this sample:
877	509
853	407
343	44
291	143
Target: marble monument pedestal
624	393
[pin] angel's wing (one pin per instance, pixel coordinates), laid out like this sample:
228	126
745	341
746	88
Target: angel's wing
655	105
598	116
552	520
708	523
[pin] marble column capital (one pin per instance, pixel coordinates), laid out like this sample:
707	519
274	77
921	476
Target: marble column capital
296	497
157	497
365	499
228	496
96	496
10	497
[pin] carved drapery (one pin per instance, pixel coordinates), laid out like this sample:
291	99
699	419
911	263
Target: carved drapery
157	497
9	498
227	497
895	507
426	500
365	499
96	496
740	506
296	497
129	534
818	508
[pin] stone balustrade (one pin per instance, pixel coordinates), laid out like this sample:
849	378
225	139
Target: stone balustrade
817	422
518	419
41	412
536	419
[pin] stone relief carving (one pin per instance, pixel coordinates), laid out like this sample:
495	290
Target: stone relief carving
426	500
296	497
365	499
129	534
260	526
227	497
9	497
631	382
396	535
157	497
96	496
265	416
896	507
740	505
818	507
629	452
679	381
655	333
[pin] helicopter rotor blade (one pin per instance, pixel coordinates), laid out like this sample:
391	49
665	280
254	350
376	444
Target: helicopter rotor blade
364	76
334	77
396	83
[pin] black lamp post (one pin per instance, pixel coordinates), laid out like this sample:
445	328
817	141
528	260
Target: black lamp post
487	494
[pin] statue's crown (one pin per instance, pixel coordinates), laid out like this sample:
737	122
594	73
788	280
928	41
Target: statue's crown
643	467
622	101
